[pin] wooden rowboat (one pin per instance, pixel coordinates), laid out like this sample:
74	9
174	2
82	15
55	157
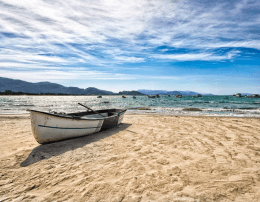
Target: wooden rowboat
52	127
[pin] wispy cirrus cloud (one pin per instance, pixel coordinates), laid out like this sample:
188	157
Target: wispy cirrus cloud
58	35
72	74
130	26
197	56
255	44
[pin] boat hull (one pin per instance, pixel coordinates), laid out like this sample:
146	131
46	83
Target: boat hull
47	127
111	122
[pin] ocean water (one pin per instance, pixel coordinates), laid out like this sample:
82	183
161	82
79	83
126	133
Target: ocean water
201	106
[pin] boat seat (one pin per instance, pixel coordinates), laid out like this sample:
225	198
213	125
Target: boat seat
95	115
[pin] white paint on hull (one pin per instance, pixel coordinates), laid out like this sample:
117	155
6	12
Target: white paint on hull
48	128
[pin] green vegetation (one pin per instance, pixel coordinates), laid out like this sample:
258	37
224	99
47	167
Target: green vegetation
9	92
99	92
129	93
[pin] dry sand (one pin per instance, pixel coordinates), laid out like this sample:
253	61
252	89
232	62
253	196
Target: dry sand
146	158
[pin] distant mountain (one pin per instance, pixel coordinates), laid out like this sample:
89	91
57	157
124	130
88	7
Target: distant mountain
47	87
152	92
95	91
164	92
129	93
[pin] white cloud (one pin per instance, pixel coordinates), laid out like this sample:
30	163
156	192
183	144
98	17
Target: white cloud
107	32
60	76
197	56
128	59
234	44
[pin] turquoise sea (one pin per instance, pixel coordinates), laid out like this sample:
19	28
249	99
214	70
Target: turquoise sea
201	106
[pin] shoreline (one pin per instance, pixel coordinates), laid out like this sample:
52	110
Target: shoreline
157	114
164	114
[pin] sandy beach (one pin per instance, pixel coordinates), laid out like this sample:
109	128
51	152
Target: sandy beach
146	158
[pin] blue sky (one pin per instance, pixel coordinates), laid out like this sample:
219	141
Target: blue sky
203	46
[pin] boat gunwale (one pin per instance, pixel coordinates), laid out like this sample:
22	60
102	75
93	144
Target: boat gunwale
77	117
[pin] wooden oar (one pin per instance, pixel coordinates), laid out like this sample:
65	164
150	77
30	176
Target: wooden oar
91	109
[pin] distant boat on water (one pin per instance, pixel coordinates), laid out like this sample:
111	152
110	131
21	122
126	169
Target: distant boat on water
123	96
178	96
198	95
151	96
99	96
134	97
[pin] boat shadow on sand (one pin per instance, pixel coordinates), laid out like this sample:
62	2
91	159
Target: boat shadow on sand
46	151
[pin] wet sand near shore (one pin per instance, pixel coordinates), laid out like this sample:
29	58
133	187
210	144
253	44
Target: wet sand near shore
146	158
